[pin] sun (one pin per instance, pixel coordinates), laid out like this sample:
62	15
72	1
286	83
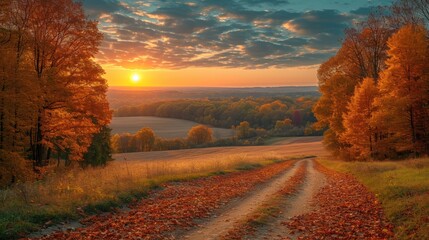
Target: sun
135	78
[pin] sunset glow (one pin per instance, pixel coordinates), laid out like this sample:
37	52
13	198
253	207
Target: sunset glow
214	77
135	78
231	43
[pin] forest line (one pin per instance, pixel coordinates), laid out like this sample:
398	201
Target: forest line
261	112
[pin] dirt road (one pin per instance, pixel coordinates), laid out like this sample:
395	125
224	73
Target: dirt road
325	205
237	212
309	201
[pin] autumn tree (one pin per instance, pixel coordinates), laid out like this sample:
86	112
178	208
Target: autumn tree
200	134
361	55
72	89
404	92
52	94
122	143
359	134
243	130
17	91
271	112
282	126
145	139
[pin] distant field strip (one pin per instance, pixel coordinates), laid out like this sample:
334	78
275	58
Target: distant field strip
163	127
292	146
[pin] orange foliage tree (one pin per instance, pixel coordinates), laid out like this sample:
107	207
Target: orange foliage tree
243	130
359	134
362	55
52	94
72	103
375	91
404	86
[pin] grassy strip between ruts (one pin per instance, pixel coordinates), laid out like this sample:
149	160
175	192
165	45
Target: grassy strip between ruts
70	195
401	186
269	210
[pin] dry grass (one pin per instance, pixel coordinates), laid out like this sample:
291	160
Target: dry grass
62	195
163	127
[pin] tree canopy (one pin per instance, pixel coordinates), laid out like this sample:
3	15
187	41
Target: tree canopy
52	94
375	89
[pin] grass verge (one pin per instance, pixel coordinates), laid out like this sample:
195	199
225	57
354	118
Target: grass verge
72	194
401	186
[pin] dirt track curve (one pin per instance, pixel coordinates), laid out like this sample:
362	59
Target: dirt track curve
237	212
312	203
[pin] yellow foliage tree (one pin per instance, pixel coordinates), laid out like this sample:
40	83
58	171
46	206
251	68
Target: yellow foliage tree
145	139
200	134
243	130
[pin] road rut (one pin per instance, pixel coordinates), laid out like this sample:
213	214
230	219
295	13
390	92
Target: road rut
220	224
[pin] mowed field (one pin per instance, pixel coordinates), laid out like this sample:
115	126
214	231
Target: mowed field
163	127
290	146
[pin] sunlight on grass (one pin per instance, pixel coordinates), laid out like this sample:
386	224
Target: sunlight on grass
63	194
401	186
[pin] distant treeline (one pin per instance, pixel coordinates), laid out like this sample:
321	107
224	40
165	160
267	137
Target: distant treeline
258	112
145	139
121	97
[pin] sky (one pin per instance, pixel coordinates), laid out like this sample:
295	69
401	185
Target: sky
221	43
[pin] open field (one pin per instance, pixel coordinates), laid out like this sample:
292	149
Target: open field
163	127
67	194
286	147
403	189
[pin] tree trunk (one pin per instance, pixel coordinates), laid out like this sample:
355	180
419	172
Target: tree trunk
2	110
40	151
413	132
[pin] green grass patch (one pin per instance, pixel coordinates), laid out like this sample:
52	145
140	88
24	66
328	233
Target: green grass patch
248	166
266	214
17	222
401	186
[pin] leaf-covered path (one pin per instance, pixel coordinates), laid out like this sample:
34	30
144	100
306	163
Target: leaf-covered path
345	209
311	202
220	224
176	207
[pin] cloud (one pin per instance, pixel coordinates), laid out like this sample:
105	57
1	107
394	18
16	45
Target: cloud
215	33
364	11
266	2
94	8
316	22
262	49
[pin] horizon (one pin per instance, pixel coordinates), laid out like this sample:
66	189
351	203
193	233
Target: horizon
209	87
